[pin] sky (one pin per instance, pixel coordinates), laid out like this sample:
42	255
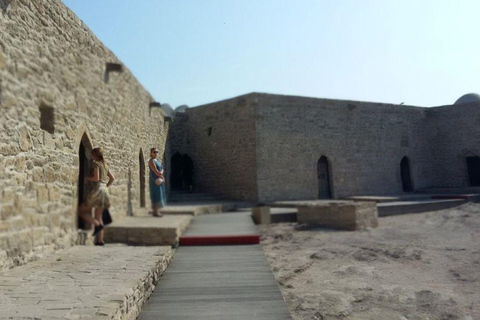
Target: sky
193	52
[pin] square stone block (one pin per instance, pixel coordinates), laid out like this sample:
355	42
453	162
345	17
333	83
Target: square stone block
344	215
261	215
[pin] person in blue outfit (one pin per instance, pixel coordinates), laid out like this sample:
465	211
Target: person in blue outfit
156	183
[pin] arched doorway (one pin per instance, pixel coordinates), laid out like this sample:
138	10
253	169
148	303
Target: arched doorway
141	160
323	174
84	156
176	173
187	173
407	184
473	166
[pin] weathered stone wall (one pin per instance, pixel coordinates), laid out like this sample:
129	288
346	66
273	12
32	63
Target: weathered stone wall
454	134
364	143
51	63
220	139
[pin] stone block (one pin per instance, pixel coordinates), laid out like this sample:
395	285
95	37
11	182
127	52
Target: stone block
24	142
42	195
261	215
37	175
344	215
53	193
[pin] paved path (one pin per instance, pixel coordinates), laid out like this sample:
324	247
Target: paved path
218	282
83	283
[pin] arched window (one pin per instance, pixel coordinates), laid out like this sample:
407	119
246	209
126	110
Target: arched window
141	161
407	184
324	181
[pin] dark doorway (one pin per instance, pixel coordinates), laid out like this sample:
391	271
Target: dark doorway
323	173
141	159
83	155
473	165
406	175
187	173
176	173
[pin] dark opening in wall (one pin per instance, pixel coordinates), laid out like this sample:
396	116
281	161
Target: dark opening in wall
112	67
209	131
47	118
473	166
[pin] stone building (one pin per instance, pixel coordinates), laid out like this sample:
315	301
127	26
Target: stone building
62	92
264	147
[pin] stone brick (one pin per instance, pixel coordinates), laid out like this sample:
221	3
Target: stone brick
49	174
38	175
42	194
24	141
53	193
261	215
345	215
48	142
20	164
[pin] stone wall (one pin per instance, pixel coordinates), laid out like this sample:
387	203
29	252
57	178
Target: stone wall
454	134
363	142
55	95
220	139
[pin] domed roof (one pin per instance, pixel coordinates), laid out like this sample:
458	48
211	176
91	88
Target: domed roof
167	109
468	98
181	108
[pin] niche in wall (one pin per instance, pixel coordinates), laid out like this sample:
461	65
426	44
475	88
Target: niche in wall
47	118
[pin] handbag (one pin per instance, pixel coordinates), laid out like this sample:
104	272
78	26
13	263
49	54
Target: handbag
106	217
158	181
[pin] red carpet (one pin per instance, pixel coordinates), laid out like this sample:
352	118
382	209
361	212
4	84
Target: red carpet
220	240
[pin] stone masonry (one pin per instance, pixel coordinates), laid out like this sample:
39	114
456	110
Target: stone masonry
61	88
273	151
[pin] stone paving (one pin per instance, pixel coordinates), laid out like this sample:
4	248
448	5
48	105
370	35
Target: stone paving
111	282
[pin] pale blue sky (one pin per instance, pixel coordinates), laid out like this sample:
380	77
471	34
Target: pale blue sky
421	52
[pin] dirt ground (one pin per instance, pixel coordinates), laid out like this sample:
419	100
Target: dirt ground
416	266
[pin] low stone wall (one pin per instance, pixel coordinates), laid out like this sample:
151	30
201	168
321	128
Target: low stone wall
343	215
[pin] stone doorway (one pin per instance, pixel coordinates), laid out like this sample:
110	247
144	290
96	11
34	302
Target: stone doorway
324	182
407	184
176	173
84	156
141	160
473	166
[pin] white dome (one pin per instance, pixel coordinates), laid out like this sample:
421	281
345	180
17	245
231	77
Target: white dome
167	109
181	108
468	98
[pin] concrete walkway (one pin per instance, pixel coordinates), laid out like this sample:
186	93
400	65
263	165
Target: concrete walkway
218	282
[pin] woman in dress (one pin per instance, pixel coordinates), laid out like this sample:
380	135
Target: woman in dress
157	191
99	179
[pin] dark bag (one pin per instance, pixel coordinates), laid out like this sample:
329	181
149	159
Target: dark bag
106	217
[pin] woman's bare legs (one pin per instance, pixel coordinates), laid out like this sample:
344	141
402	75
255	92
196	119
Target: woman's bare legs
98	216
155	211
85	213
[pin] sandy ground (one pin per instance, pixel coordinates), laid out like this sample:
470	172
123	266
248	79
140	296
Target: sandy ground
417	266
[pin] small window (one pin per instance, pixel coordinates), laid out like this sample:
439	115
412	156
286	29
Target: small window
209	131
47	118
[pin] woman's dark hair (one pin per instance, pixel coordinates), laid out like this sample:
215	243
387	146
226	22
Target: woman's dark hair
151	150
98	153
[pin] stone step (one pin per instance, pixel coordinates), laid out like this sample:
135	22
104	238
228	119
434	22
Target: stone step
148	230
111	282
406	207
203	207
